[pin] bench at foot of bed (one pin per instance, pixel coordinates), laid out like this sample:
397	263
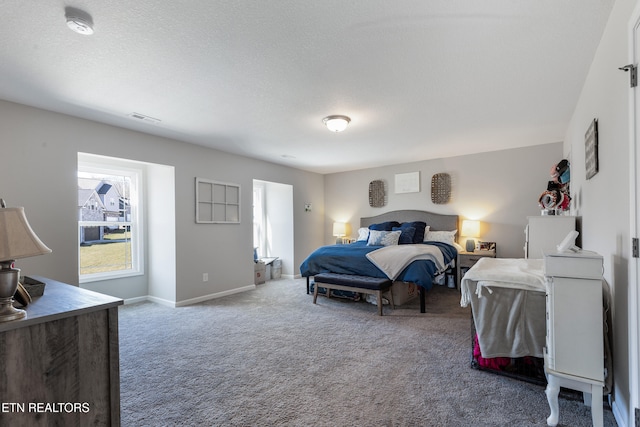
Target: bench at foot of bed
349	282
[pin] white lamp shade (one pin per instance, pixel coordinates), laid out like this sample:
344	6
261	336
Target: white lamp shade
470	228
336	123
17	239
339	229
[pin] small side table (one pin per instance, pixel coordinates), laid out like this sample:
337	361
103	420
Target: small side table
467	260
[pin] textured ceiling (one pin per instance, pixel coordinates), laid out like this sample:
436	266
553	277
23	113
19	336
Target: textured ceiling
420	79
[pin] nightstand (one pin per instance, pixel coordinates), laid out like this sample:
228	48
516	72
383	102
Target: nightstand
466	260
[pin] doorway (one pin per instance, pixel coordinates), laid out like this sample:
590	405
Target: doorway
273	223
634	264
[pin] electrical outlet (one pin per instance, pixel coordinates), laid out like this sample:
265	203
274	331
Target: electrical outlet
205	277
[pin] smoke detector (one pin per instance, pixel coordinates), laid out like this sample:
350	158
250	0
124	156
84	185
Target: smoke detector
79	21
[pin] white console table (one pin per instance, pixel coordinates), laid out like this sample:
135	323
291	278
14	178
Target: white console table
574	353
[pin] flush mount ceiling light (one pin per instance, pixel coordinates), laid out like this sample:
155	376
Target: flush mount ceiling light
79	21
336	123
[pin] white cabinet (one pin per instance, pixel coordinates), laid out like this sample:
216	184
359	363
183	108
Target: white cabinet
544	233
574	353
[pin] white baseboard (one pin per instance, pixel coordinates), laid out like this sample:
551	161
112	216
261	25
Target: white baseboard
214	296
203	298
135	300
161	301
150	298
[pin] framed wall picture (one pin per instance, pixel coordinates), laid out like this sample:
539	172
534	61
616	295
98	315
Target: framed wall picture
486	246
591	149
408	182
217	202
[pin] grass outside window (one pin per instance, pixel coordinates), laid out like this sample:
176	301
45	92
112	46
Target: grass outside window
107	256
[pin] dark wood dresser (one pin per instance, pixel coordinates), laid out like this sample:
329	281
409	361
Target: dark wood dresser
60	364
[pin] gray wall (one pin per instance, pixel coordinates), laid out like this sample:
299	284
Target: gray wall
603	201
39	172
499	188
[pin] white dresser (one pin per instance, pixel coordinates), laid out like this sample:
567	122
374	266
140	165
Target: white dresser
574	353
544	233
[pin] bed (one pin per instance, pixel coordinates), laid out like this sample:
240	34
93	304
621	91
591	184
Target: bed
415	261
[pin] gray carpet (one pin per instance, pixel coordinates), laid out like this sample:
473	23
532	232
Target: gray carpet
270	357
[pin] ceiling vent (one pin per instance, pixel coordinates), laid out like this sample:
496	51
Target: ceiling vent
143	118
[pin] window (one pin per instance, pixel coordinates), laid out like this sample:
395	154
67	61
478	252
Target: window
109	227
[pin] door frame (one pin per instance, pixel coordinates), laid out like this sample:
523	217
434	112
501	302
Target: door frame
634	185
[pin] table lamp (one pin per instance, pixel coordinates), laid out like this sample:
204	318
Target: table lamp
17	240
339	231
470	230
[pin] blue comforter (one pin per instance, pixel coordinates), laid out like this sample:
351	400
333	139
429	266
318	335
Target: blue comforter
351	259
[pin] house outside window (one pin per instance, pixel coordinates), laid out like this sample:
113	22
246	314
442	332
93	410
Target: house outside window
109	227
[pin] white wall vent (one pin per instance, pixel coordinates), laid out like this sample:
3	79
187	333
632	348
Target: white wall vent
144	118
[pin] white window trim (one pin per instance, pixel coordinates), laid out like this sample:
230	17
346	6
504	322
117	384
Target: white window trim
260	213
136	175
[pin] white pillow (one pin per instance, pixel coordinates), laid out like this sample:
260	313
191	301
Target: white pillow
441	236
363	234
383	238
